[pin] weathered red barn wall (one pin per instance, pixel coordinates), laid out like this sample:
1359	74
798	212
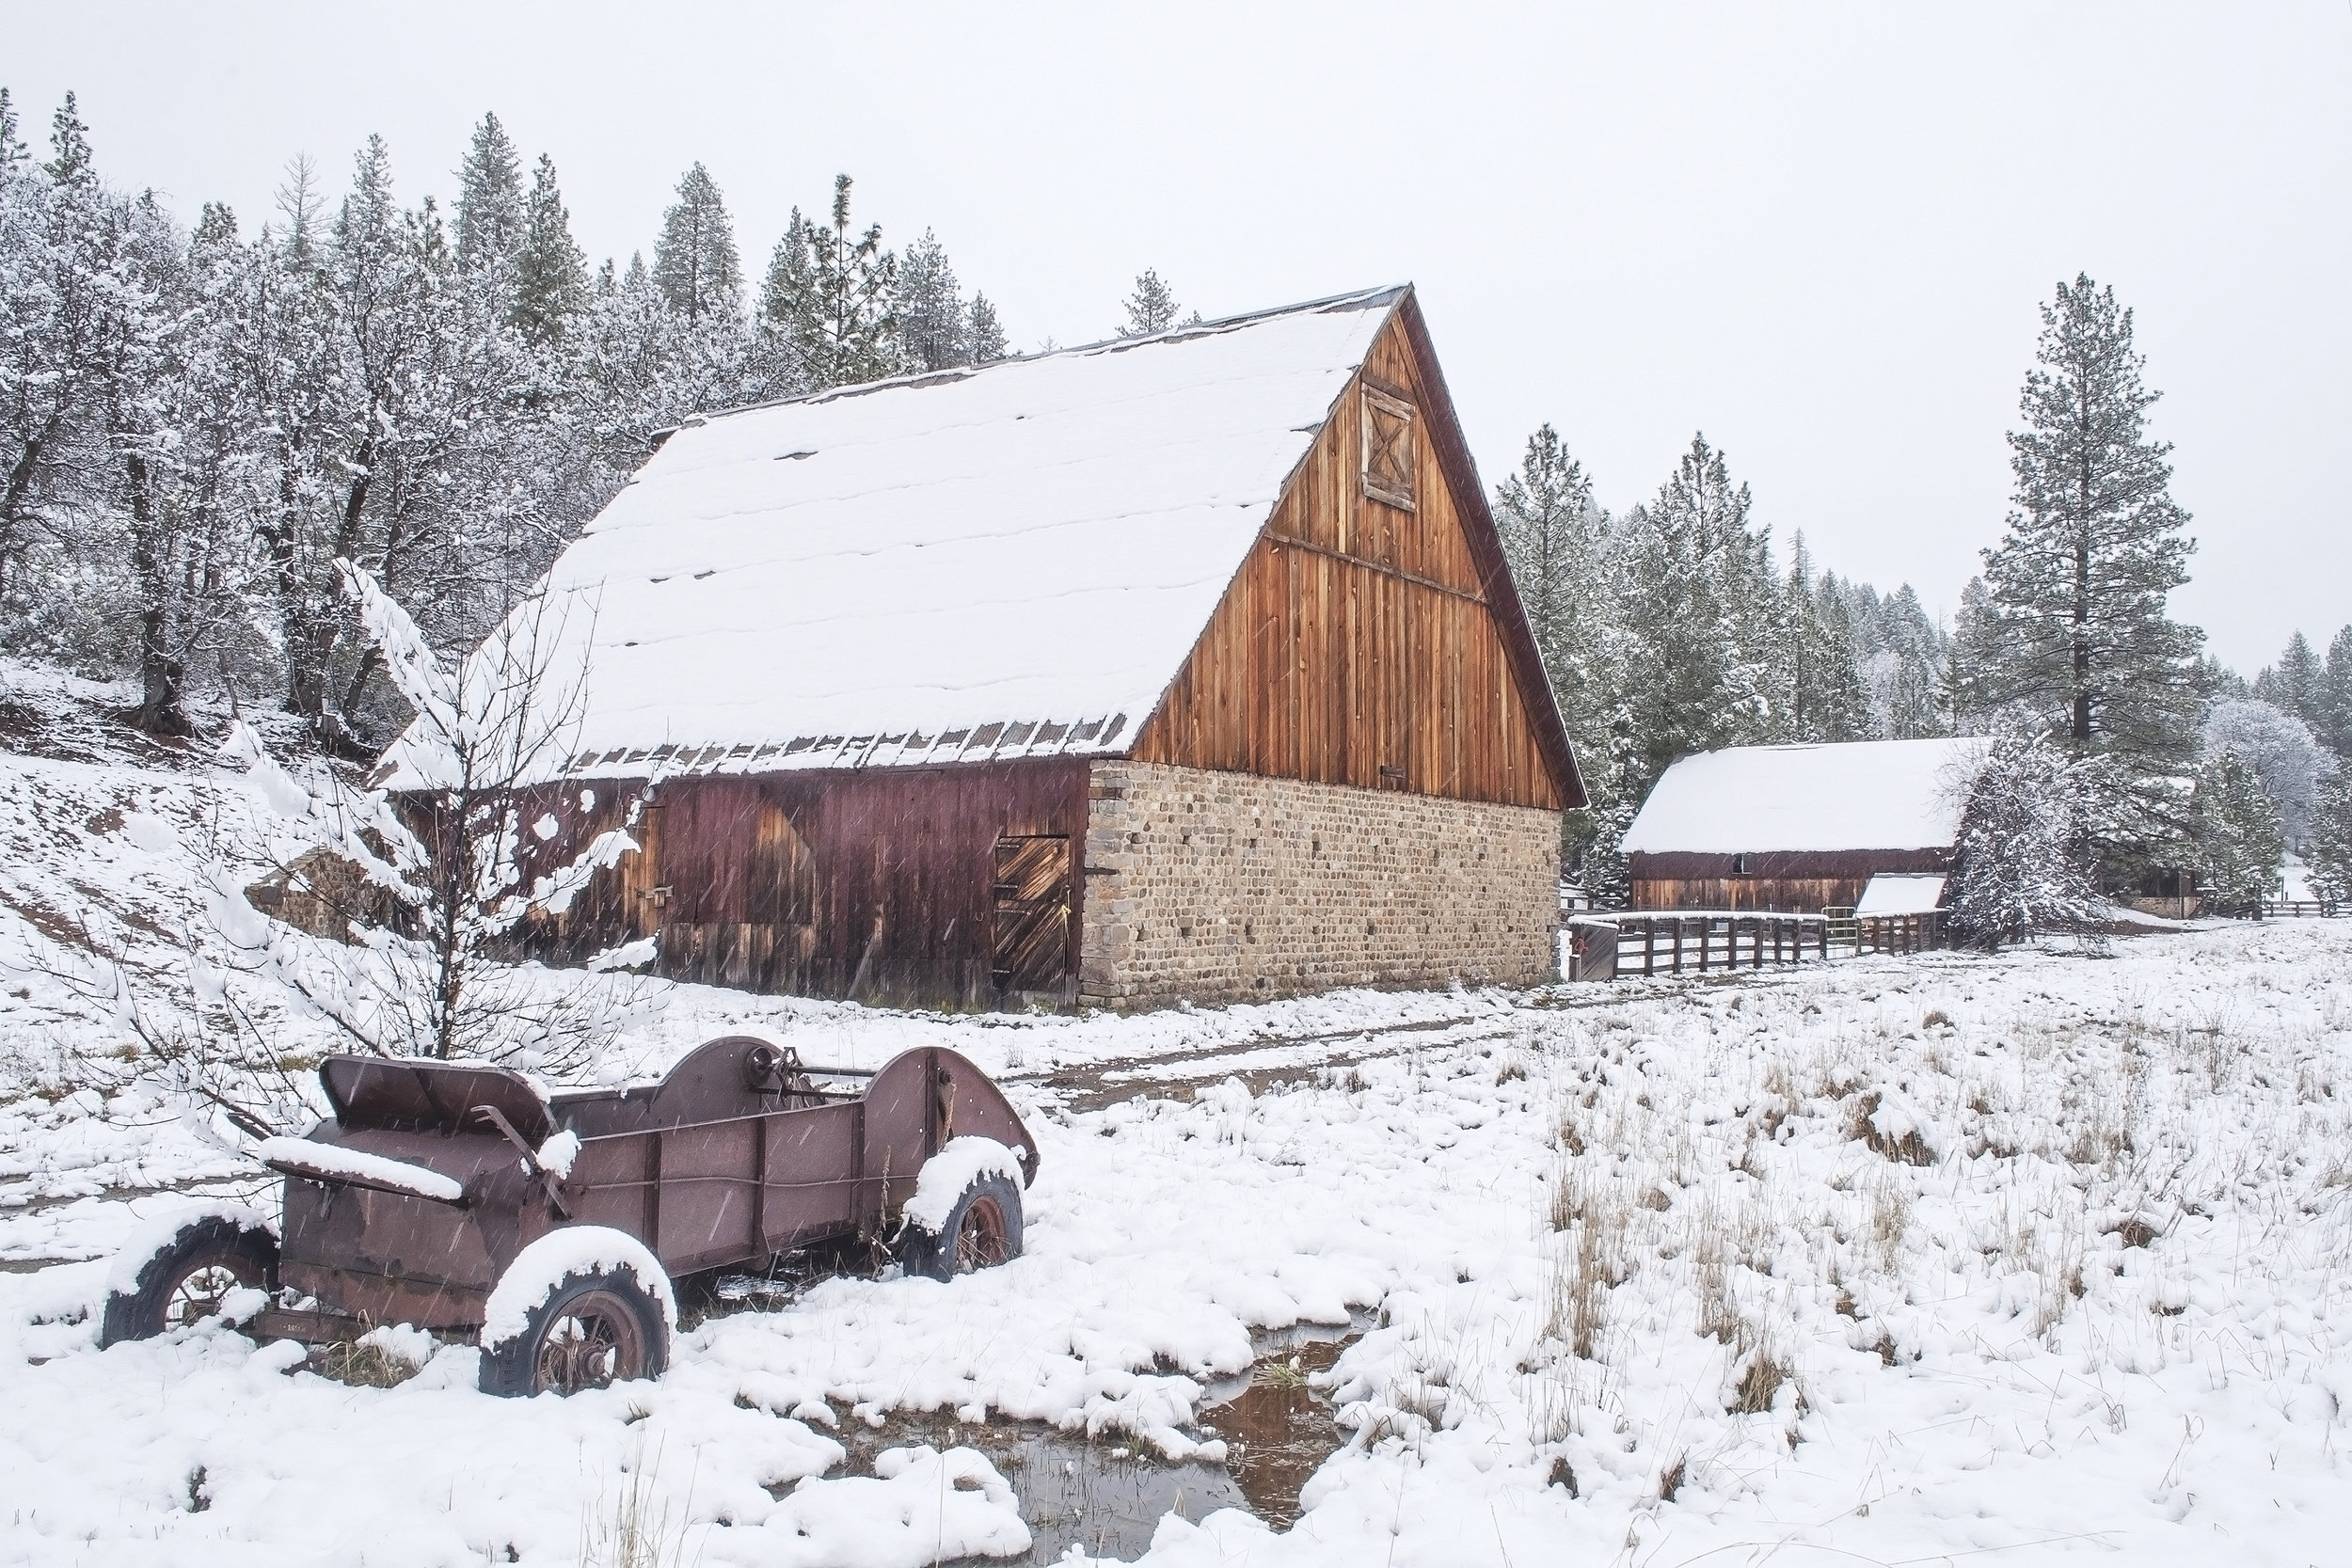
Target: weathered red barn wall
1789	882
878	885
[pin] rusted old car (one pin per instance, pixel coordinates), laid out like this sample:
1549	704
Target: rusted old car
549	1227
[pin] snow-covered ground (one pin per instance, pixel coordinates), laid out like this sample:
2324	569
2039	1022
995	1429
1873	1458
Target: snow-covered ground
2039	1256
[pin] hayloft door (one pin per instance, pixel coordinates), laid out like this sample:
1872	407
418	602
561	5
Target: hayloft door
1031	936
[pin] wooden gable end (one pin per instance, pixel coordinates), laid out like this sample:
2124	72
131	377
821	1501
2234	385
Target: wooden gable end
1369	637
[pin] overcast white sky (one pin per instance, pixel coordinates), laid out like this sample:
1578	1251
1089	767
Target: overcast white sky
1817	233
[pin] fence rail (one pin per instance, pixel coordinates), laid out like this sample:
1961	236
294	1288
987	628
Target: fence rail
2307	908
1677	943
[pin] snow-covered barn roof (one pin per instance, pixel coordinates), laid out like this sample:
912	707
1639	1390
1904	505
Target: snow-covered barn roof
1008	560
1765	800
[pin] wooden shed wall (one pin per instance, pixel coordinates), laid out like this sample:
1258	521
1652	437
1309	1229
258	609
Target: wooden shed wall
1358	645
1789	882
878	885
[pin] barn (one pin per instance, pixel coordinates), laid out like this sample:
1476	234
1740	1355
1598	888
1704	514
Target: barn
1174	667
1801	829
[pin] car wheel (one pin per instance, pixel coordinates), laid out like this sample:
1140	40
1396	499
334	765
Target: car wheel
596	1328
186	1279
982	1230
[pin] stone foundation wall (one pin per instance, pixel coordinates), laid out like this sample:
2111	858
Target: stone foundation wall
1227	887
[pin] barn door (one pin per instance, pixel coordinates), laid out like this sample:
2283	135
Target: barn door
1032	926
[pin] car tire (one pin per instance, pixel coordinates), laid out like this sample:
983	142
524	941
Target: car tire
981	1231
184	1280
596	1328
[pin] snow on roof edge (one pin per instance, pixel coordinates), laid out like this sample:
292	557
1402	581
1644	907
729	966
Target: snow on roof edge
1385	295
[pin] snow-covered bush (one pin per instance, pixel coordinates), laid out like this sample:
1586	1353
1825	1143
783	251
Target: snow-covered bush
2287	761
425	972
2023	863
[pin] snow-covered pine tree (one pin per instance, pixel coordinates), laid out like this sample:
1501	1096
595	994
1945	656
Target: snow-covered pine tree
2022	865
492	217
983	331
550	273
2329	849
2286	759
1692	577
2332	706
2293	683
1152	308
1555	538
1823	697
933	327
1906	661
2241	847
694	261
785	323
2078	584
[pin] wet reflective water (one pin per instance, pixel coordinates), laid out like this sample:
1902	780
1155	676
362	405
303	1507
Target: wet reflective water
1108	1494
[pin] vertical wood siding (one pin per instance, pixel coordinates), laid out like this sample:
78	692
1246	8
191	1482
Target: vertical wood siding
1357	645
880	885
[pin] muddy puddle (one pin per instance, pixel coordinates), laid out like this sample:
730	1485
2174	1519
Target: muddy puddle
1107	1493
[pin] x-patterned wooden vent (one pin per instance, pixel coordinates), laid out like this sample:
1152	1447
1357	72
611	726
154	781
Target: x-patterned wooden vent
1388	449
1032	931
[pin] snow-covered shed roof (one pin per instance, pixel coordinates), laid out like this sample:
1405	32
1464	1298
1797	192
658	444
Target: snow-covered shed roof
1007	559
1763	799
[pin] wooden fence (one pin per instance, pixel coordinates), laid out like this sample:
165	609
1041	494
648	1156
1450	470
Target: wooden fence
1676	943
2304	908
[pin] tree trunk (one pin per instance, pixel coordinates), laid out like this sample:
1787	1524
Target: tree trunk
159	711
21	474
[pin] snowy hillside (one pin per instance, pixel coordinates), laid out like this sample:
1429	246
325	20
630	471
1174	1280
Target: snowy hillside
2047	1254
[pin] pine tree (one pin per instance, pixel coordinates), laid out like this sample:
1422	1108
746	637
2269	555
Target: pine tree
491	219
2240	846
1556	541
13	153
857	283
1152	308
2293	683
70	160
984	332
1905	663
1692	580
2332	705
550	274
933	325
1809	637
785	323
2329	852
2077	586
830	306
695	260
1552	538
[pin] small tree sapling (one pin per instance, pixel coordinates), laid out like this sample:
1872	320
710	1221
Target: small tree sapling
457	863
